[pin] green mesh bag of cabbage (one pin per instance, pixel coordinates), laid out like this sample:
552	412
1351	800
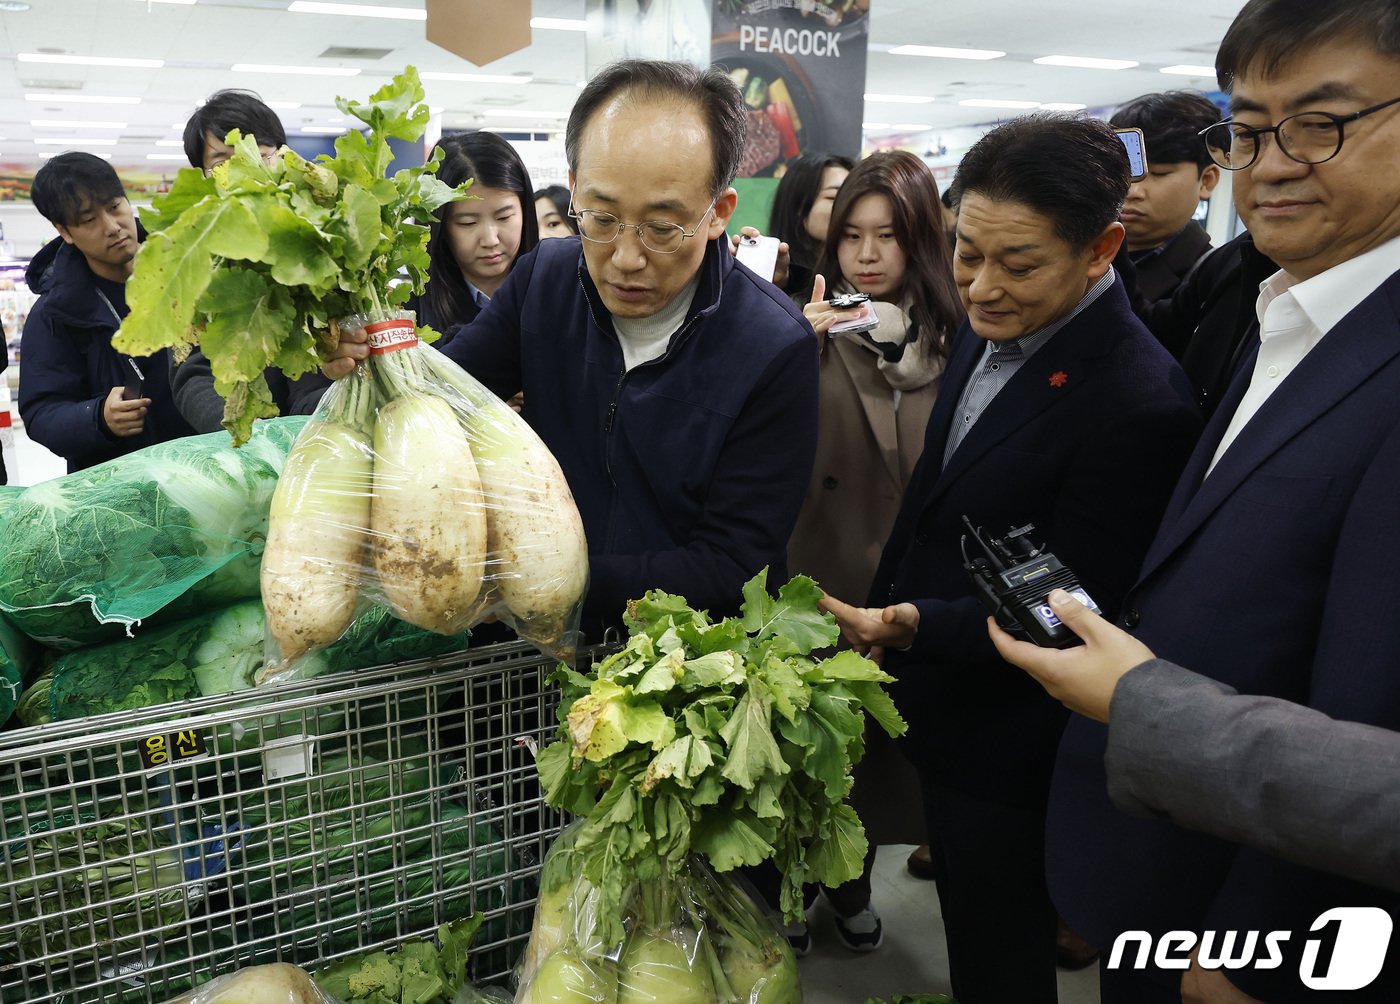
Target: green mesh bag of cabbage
165	532
219	653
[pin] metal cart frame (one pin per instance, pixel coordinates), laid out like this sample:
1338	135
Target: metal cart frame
144	851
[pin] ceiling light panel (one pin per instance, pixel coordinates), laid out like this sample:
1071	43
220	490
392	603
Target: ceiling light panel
82	99
1086	62
898	99
998	103
559	23
310	71
358	10
47	57
74	124
479	78
74	141
944	52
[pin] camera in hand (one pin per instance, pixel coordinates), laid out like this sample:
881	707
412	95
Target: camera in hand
1012	576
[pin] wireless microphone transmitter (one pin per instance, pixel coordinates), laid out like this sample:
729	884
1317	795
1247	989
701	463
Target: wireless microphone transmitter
1013	576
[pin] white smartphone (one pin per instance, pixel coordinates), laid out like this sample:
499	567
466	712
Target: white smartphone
760	254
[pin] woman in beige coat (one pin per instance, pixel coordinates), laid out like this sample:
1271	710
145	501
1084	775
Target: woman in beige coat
885	240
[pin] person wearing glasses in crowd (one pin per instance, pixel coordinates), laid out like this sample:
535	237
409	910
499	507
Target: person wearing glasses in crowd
1264	574
678	392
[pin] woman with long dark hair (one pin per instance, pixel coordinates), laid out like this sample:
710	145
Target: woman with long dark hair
478	239
552	211
801	209
886	240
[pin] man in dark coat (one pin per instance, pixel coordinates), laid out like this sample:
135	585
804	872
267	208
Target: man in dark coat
1268	573
1050	347
78	396
1164	240
677	389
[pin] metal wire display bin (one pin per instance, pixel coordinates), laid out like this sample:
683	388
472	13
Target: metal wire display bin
144	851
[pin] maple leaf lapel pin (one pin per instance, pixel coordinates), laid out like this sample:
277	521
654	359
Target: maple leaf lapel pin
1059	378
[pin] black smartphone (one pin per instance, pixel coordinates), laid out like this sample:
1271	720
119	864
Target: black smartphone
135	387
1136	145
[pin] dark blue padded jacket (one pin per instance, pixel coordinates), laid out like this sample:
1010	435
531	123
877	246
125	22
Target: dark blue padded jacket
68	366
689	470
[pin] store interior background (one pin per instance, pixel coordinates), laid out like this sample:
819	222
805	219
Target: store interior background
914	102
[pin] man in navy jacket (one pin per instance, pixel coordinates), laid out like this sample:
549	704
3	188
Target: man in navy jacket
73	394
1270	571
1085	440
677	389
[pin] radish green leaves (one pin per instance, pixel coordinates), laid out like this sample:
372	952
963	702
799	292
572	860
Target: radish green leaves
254	262
726	739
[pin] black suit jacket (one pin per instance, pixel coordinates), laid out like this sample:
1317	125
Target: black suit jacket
1085	441
1270	575
1209	323
1159	275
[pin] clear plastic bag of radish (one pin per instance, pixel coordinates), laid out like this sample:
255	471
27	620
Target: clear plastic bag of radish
415	487
692	936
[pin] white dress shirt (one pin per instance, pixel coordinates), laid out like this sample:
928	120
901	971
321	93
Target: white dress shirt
1294	316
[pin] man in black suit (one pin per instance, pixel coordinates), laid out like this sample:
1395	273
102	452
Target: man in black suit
1269	572
1050	345
1164	240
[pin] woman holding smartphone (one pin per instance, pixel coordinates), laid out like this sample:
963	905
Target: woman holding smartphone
478	239
877	389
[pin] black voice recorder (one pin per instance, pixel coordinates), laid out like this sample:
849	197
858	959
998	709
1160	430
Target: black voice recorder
1013	576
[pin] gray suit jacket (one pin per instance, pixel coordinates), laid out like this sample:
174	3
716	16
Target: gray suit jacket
1257	770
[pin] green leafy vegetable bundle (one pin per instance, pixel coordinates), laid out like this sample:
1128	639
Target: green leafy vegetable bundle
218	653
725	741
110	868
254	262
417	972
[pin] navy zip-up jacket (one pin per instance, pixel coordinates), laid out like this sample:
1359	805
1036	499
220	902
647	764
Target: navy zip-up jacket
689	470
68	366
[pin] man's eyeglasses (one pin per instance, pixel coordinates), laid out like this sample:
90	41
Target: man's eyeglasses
655	235
1309	138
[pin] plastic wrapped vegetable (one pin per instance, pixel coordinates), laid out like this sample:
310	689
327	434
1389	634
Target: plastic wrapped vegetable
162	533
20	656
700	746
278	983
692	937
217	653
415	488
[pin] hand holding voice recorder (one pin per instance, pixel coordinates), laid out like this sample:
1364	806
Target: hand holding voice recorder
1012	576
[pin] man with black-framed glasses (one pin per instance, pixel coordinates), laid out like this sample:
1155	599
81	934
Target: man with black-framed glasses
1267	572
677	389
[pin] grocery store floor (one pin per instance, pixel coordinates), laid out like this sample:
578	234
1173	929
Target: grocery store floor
913	958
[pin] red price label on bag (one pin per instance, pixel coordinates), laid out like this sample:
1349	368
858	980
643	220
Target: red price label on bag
390	336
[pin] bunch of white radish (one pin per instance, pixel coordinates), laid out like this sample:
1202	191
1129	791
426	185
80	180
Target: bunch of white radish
416	487
692	937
